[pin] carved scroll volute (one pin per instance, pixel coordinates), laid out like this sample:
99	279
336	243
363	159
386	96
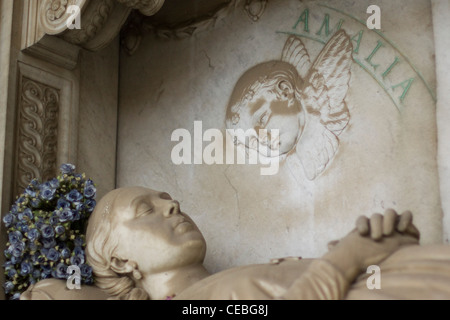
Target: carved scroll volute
54	14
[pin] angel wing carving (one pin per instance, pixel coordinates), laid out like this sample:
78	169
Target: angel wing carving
322	97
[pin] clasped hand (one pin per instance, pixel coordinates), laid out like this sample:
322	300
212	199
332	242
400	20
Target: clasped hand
372	241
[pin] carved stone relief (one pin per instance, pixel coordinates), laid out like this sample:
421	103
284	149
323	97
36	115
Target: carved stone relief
304	100
46	122
37	132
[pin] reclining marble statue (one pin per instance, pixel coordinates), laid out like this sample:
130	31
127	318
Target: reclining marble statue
141	246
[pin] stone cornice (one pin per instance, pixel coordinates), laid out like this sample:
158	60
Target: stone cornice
99	22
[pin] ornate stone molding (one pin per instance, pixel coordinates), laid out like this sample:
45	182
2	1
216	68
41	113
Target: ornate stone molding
254	9
99	21
46	122
187	29
37	139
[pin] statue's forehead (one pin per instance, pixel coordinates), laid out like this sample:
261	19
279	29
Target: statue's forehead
130	197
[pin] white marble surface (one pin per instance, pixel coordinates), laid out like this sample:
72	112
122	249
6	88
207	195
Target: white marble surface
97	127
386	158
441	28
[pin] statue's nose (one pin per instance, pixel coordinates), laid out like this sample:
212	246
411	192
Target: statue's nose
173	207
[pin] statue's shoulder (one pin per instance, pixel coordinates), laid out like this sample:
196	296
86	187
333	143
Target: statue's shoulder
56	289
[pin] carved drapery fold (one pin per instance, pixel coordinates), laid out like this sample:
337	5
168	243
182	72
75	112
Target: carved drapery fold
37	133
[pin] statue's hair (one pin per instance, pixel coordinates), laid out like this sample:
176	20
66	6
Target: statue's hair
100	248
264	76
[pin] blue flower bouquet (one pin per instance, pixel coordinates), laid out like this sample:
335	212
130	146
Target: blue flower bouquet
46	227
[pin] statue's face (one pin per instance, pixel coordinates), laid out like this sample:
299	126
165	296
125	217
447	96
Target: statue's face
264	99
154	233
269	111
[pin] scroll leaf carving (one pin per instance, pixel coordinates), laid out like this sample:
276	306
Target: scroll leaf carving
187	29
38	132
146	7
54	14
92	22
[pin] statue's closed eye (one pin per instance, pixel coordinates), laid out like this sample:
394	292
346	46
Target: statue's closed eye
144	209
165	195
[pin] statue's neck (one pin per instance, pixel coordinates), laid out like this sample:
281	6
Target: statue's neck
167	284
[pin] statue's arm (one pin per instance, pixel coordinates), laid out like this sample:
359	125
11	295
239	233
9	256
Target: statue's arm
372	241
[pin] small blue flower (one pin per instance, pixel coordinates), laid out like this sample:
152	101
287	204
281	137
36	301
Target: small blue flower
15	237
78	250
47	193
14	209
53	220
16	296
17	249
62	203
36	273
34	183
30	191
65	215
27	213
8	253
48	242
46	270
33	234
90	205
22	226
53	254
25	268
9	286
39	223
20	200
65	253
59	229
89	191
76	215
16	260
61	271
11	273
77	259
67	168
8	220
74	196
32	246
79	206
47	231
36	202
86	270
54	183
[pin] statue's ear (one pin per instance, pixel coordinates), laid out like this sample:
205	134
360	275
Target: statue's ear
122	266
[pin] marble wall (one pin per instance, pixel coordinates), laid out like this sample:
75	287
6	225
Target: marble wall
382	154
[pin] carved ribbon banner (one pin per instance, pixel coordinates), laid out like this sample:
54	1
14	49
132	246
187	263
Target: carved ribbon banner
37	133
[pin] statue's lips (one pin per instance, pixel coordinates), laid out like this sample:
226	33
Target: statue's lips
183	224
